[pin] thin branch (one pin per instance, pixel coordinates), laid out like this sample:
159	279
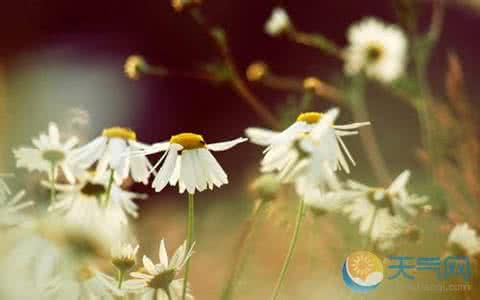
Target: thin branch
237	82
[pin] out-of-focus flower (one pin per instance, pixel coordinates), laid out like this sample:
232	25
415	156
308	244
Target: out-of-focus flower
82	203
256	71
10	210
310	147
124	257
278	23
180	5
48	155
266	187
187	161
386	230
367	204
134	66
159	278
84	283
111	150
463	240
378	49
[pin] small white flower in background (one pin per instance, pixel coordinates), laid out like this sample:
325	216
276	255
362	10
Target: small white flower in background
160	278
395	198
83	203
463	240
48	152
378	49
110	150
311	147
278	23
85	283
187	161
124	257
381	212
10	209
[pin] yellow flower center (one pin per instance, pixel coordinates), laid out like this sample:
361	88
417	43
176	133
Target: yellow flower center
374	52
309	117
53	156
124	264
93	189
162	280
120	132
188	140
85	273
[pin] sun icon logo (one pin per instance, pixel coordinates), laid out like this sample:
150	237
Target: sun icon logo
362	271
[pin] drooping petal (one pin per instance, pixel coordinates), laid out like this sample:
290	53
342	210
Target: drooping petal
260	136
222	146
163	176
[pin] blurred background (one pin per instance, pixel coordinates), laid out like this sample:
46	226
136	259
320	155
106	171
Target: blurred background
63	61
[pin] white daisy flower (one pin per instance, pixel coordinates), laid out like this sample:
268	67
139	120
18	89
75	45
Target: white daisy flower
463	240
310	147
159	278
124	257
10	209
278	23
378	49
49	153
187	161
395	199
84	204
87	283
110	150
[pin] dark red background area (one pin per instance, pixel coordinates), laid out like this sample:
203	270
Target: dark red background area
151	28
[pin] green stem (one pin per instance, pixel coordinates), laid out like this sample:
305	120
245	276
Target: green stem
109	188
190	237
121	276
293	243
242	252
53	192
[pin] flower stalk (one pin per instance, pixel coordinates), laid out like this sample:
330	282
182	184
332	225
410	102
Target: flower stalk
109	187
293	243
190	238
242	253
53	192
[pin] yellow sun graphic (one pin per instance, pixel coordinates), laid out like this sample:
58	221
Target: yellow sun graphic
362	263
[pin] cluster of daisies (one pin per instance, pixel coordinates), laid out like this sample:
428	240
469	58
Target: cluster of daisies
90	210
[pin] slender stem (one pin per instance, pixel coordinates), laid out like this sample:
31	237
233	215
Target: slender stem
236	80
242	251
293	243
109	188
316	41
121	276
190	237
53	191
367	136
155	294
